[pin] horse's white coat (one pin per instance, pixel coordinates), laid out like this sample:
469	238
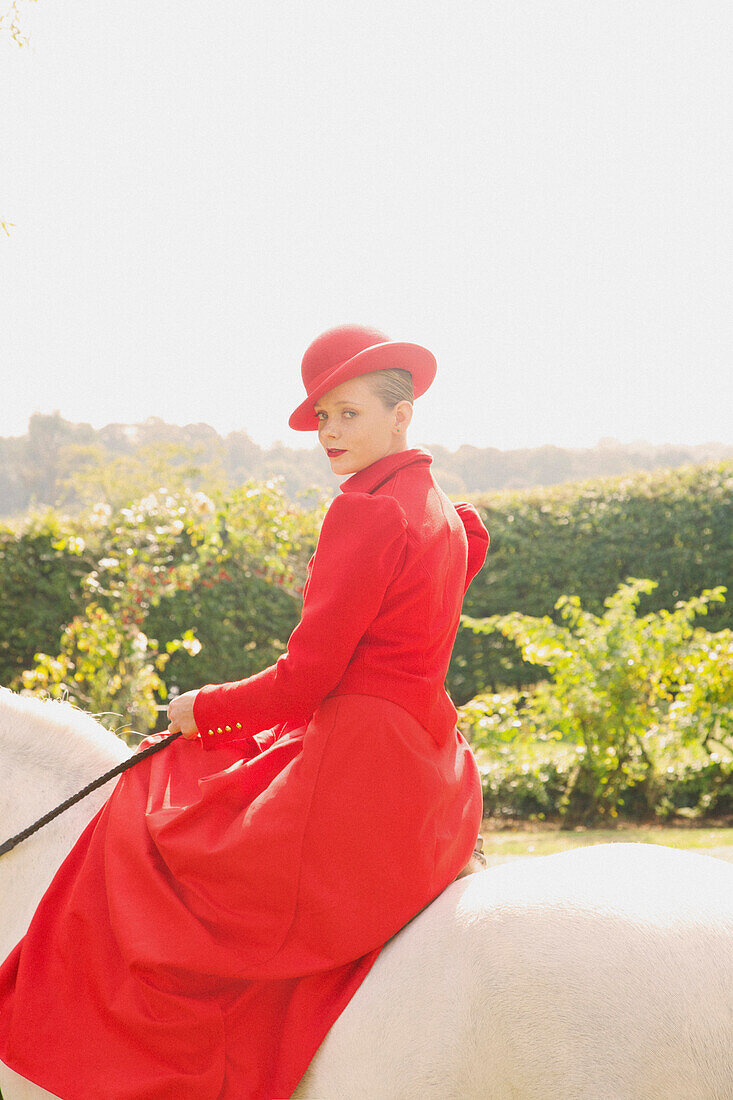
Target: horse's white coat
603	972
48	751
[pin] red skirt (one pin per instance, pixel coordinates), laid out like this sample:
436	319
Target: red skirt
223	907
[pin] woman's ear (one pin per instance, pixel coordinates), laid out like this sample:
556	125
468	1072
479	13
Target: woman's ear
402	416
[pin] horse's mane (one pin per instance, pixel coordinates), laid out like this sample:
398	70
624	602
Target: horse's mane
41	731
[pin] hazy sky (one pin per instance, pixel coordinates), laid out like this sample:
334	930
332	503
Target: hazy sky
539	192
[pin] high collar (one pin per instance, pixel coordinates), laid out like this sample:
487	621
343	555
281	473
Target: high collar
373	477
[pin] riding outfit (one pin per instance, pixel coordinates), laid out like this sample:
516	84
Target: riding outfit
220	911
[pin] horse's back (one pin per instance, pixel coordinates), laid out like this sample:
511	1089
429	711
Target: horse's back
14	1087
603	971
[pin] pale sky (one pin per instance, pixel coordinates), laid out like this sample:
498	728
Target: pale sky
538	192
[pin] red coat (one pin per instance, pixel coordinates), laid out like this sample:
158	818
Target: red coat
219	913
380	609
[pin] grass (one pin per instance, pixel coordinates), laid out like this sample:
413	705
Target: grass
507	843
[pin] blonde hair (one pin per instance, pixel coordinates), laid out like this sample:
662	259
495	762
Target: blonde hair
391	386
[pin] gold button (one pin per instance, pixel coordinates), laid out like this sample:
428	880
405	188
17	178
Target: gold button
228	729
218	729
210	733
239	725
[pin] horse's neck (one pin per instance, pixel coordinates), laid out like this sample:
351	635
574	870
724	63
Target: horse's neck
48	750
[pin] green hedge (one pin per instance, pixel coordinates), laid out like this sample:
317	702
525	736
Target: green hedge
242	621
231	570
672	526
582	539
41	570
536	791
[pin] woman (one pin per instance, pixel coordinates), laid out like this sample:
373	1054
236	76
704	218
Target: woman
219	913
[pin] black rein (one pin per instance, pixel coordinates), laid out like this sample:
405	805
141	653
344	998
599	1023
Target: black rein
118	770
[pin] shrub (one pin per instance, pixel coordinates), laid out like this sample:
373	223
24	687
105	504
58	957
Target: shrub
613	679
217	578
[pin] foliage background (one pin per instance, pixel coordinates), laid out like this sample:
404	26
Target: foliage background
674	527
155	589
629	697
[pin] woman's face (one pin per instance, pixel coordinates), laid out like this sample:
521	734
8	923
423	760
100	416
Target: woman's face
356	429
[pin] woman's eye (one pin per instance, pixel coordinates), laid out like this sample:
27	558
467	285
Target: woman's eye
349	412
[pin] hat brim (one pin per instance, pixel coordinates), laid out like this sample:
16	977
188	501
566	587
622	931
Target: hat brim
410	357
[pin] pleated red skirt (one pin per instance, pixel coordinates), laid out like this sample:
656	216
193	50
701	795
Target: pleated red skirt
223	907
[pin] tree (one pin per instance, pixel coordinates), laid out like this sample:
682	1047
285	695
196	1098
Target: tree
93	476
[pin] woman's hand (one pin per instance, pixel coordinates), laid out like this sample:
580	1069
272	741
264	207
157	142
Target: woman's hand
180	715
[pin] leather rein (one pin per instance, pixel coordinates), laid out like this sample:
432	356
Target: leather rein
93	786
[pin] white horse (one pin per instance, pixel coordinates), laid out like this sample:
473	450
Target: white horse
603	973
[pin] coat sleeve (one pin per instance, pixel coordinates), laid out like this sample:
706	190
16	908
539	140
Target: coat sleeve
478	540
361	545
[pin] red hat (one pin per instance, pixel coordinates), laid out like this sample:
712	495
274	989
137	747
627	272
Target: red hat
347	351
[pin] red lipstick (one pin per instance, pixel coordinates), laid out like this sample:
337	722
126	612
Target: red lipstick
332	453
